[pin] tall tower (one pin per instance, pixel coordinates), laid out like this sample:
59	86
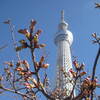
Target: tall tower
63	40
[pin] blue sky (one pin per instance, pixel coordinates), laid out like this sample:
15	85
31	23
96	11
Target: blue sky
82	17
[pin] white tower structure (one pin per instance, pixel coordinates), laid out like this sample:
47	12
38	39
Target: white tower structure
63	40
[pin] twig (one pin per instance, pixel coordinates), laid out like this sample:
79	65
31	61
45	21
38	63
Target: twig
11	27
17	92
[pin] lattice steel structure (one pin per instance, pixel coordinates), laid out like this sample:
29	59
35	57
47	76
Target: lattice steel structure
63	40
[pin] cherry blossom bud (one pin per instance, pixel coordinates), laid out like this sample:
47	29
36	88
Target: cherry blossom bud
32	25
82	73
19	69
28	35
73	73
28	85
22	41
7	70
94	35
35	38
45	65
26	64
33	22
19	48
21	73
76	64
23	31
71	70
42	45
38	32
35	82
41	85
9	64
36	64
88	78
42	59
19	63
82	66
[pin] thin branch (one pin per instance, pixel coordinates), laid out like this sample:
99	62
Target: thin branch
16	92
4	46
11	27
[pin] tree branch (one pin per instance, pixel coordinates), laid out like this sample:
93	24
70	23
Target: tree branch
94	69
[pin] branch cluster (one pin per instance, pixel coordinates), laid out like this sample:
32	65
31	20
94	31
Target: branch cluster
25	79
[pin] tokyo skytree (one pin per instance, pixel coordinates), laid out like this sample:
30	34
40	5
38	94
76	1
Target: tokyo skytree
63	40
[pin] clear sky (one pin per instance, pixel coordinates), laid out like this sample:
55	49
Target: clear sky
82	17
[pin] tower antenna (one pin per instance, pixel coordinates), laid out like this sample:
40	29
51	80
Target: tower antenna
62	15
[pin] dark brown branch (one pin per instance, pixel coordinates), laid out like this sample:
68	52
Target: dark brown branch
94	69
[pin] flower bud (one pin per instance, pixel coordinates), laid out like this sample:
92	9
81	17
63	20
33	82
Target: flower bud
94	35
32	25
9	64
38	32
45	65
42	45
19	69
26	64
23	31
76	64
36	64
42	60
28	85
82	73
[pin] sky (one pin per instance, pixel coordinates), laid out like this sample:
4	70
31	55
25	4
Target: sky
81	15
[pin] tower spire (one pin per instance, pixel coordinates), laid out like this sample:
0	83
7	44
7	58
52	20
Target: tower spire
62	15
63	25
63	41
